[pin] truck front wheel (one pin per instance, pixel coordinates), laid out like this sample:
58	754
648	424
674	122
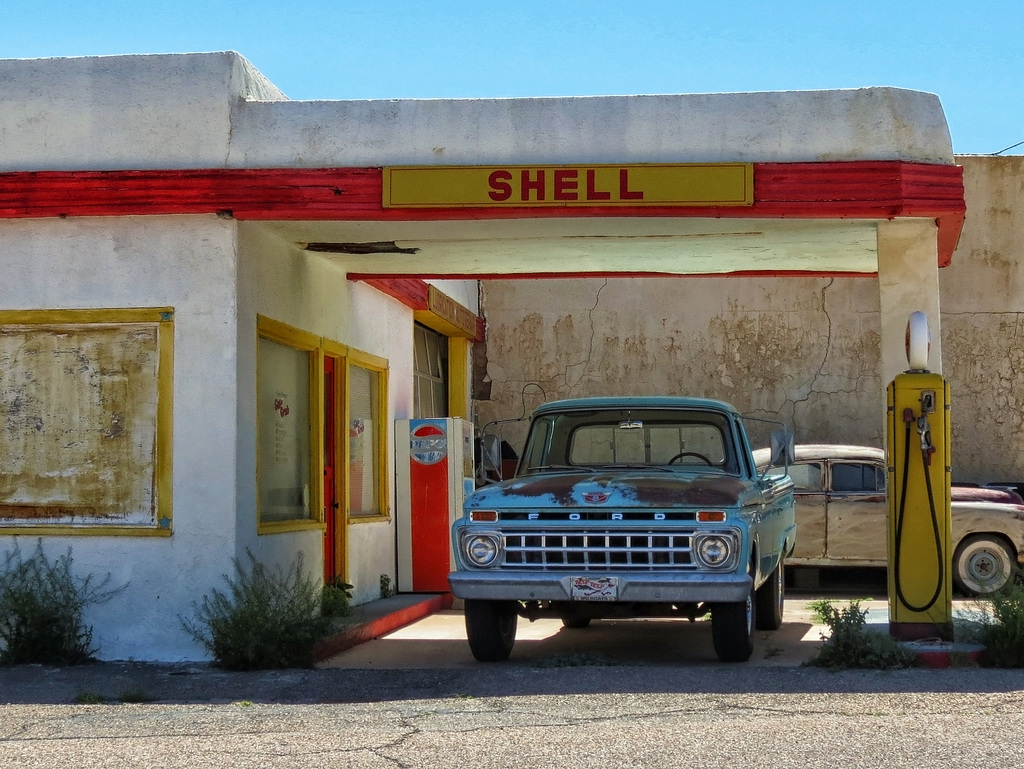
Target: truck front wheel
491	628
732	629
771	600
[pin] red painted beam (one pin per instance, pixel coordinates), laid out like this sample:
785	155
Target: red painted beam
844	190
410	290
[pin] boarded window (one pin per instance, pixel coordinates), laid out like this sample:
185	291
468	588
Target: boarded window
86	402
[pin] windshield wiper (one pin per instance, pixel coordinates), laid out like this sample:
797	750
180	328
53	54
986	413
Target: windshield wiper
570	468
659	468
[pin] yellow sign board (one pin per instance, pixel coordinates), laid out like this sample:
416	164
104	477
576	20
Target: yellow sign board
675	184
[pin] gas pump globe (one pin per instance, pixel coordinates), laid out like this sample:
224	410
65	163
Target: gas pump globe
919	528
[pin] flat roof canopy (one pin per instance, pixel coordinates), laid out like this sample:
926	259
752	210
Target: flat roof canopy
626	246
207	133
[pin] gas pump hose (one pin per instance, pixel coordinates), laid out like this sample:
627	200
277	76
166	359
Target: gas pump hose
899	528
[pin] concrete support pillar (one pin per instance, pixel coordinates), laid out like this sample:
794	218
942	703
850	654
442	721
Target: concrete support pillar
908	280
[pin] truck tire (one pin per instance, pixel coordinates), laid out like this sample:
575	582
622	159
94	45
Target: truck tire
771	600
982	563
732	629
491	628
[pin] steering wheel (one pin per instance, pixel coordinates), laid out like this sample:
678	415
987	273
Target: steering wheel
682	454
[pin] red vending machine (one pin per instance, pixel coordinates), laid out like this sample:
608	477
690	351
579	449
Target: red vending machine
434	473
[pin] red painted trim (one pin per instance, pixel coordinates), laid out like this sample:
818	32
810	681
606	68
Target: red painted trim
379	626
858	190
410	290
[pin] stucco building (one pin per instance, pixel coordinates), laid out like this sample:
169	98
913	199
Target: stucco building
219	301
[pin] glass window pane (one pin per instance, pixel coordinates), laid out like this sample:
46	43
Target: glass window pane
284	427
363	434
806	476
430	391
857	477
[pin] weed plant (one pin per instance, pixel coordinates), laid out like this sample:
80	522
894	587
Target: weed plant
336	600
1002	627
42	604
852	645
266	619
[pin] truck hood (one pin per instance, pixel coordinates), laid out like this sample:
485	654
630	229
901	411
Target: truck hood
637	489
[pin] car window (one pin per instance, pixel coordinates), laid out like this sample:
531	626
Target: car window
857	476
806	476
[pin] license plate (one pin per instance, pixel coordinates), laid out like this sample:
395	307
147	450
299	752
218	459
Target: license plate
594	588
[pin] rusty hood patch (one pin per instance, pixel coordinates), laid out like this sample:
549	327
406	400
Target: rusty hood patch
634	490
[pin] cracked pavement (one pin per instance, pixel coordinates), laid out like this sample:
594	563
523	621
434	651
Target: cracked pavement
503	716
415	699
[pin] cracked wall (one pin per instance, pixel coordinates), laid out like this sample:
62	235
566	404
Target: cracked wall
805	350
983	323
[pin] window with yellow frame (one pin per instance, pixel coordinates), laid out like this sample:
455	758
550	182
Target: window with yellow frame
86	443
366	412
290	413
287	427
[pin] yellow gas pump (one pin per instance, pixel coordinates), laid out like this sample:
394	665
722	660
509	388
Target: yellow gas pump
920	535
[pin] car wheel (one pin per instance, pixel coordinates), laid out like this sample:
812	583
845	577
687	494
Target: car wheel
491	629
575	623
732	629
771	600
982	564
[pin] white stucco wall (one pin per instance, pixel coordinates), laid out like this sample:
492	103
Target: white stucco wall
116	112
213	110
875	123
119	263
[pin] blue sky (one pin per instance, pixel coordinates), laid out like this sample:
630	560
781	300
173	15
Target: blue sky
969	53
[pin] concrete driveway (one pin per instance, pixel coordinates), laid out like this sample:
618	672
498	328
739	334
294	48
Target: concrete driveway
439	641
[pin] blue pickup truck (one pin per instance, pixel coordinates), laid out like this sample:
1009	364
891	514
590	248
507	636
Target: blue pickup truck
628	507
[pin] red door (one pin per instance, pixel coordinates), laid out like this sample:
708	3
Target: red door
331	505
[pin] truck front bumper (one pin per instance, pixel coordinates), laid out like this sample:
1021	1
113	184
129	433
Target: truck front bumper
632	587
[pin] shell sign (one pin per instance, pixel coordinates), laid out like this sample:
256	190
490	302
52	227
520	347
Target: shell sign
673	184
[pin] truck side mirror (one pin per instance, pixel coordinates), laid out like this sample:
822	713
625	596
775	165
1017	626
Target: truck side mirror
783	451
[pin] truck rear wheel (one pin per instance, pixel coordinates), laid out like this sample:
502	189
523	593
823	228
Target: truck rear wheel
732	629
491	628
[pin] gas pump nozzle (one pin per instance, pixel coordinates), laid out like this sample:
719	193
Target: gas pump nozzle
923	428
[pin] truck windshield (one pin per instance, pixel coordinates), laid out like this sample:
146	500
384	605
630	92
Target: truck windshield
661	438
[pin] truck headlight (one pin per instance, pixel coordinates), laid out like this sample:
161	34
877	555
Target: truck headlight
713	551
481	549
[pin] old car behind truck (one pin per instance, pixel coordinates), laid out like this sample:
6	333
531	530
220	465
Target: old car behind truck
628	507
842	509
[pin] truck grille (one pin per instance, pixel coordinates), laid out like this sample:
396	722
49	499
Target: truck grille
598	550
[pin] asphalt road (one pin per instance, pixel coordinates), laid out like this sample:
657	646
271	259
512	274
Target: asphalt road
624	695
520	716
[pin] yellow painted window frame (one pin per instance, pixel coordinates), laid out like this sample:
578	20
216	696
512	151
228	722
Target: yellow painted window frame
162	470
458	376
383	488
282	333
319	348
